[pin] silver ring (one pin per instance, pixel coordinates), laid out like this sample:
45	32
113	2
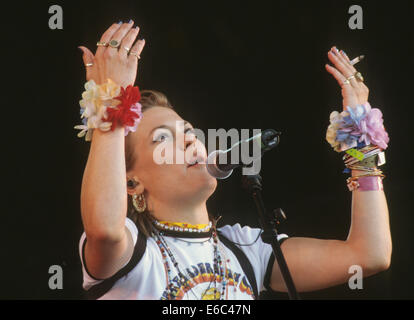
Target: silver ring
127	49
102	44
90	64
346	81
135	54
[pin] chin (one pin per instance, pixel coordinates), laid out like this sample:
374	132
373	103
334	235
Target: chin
203	187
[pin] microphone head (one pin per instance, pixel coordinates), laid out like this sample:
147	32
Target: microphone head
212	167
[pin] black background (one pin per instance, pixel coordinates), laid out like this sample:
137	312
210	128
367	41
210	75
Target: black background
222	65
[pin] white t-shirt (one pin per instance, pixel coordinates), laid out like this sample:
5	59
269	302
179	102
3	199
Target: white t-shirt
148	279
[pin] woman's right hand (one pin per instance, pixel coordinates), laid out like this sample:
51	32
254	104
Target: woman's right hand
115	63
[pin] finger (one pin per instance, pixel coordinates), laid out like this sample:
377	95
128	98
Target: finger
87	58
106	37
341	66
128	41
337	75
121	33
345	61
339	62
360	88
345	56
136	50
348	92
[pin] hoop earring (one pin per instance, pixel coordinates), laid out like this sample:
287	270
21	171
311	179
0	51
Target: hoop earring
140	204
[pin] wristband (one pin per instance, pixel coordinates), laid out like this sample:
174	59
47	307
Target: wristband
366	183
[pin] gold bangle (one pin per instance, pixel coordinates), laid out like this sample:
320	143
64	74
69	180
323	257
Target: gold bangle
365	175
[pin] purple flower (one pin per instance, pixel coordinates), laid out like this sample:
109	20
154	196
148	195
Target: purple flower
355	127
372	129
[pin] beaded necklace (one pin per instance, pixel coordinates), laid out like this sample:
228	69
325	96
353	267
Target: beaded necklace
183	227
184	280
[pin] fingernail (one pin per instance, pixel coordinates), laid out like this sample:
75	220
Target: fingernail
120	22
130	20
344	53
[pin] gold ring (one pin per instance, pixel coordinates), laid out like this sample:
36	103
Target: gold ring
102	44
127	49
114	43
90	64
350	77
359	76
135	54
346	81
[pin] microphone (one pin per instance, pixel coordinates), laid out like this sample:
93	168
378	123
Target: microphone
222	169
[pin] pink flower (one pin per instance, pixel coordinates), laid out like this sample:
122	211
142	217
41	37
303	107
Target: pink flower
372	129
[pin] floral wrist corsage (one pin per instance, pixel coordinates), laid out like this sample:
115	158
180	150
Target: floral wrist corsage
355	127
108	105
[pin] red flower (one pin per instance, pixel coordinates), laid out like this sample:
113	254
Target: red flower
122	113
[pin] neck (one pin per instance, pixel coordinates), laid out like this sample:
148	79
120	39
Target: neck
176	212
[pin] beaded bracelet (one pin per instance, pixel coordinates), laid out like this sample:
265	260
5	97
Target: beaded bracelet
108	105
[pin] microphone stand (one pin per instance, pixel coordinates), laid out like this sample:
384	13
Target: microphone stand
268	223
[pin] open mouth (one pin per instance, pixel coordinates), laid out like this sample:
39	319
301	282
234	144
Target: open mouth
194	164
197	162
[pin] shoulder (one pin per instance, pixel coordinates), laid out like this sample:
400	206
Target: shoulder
236	232
247	234
88	279
132	228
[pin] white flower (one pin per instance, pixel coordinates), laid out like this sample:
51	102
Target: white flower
95	100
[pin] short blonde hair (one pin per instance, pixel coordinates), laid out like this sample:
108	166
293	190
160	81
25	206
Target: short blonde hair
149	99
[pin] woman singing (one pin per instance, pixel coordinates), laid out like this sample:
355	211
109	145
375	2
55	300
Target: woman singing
148	234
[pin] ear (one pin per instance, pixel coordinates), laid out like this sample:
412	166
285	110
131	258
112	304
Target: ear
134	186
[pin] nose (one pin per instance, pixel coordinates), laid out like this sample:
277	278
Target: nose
189	139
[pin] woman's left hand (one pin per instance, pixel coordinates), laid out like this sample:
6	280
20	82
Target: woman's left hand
354	92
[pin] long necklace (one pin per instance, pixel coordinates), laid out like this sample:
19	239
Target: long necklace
187	282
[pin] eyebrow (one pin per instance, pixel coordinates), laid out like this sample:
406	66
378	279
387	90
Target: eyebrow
163	126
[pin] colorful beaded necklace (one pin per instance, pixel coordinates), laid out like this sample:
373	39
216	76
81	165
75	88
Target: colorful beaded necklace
185	280
183	227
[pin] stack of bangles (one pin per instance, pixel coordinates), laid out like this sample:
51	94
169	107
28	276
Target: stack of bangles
359	133
107	106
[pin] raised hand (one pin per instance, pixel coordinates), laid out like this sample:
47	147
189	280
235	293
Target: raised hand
120	64
354	91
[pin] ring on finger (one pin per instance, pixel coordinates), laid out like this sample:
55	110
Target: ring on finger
114	43
346	81
359	77
90	64
135	54
102	44
350	77
127	49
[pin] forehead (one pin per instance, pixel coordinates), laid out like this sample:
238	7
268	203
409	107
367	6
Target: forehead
157	116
